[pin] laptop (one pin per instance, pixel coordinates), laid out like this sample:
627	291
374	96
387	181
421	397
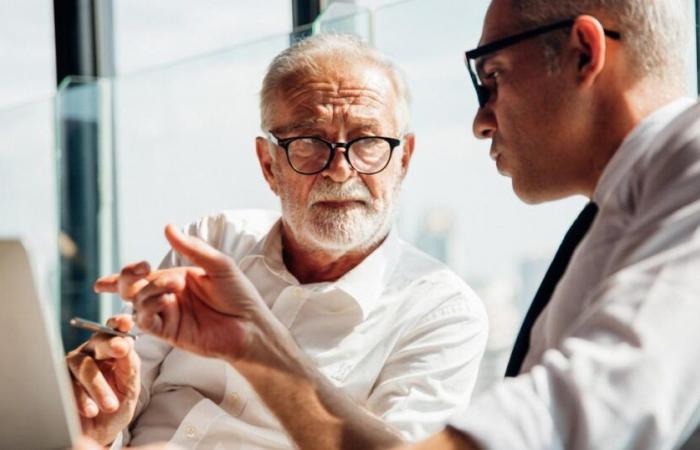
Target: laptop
37	410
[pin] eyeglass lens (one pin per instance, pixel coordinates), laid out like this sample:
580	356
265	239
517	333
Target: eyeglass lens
311	155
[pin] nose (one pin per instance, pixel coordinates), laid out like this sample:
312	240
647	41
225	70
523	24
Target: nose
485	124
339	170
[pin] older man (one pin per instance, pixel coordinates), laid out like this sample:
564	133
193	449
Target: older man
327	294
578	97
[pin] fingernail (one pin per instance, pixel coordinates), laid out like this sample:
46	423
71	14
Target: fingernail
111	403
91	410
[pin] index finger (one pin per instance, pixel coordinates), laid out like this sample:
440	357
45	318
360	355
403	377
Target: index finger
107	284
197	251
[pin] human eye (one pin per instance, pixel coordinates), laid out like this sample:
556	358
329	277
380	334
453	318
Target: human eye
492	76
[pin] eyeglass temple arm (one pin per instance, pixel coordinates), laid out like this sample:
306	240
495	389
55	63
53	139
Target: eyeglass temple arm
506	42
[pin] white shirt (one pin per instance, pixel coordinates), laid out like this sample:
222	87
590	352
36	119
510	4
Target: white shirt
614	360
400	333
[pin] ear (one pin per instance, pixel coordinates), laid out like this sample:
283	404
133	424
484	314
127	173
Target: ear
262	148
409	144
589	45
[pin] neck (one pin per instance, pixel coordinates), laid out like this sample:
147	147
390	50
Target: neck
313	265
616	117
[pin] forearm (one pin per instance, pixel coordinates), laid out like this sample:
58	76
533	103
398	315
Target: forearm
315	413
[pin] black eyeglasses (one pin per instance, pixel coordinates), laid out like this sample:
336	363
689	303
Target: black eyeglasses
483	92
309	155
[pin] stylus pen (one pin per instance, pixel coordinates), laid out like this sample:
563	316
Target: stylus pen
97	328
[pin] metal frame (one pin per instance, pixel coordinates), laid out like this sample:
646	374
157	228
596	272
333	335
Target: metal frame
303	15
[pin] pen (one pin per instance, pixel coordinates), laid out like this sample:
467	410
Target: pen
98	328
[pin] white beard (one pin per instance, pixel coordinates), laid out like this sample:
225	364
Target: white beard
352	228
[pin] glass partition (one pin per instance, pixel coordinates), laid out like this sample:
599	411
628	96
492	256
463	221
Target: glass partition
183	138
184	146
179	29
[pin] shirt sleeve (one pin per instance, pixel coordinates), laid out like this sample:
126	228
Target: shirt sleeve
434	369
625	375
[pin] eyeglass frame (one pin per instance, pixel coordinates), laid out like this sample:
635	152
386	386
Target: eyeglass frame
482	92
333	146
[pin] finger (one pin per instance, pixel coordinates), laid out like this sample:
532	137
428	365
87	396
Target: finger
158	303
197	251
132	279
105	346
121	322
127	375
107	284
88	374
172	280
85	443
86	406
150	320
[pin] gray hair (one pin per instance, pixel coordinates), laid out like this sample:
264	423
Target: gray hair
655	32
303	58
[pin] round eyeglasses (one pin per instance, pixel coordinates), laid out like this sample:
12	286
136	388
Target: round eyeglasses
309	155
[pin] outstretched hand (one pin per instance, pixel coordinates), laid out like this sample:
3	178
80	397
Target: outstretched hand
206	309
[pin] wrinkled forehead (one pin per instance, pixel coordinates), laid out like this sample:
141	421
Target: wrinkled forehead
357	92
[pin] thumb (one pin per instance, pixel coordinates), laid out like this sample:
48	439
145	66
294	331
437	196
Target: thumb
197	251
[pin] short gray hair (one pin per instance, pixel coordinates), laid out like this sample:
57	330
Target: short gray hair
303	58
655	32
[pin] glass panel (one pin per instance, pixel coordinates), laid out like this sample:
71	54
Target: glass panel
185	140
179	29
345	18
28	189
85	175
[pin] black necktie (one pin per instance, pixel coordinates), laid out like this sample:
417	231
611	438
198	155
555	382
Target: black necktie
551	278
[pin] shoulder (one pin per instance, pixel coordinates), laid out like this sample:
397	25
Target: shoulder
234	232
434	289
667	178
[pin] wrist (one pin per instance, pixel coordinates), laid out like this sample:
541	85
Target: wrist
268	344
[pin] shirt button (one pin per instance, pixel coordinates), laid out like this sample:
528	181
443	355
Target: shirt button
298	293
235	399
191	432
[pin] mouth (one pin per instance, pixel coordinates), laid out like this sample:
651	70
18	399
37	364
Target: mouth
340	204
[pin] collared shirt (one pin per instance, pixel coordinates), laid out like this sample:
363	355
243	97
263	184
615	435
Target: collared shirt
614	359
400	333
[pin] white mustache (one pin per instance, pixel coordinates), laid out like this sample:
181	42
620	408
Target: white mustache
325	190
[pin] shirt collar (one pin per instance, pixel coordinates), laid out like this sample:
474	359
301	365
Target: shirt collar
366	281
634	146
269	249
363	284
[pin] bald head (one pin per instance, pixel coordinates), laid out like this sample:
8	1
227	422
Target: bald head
655	32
